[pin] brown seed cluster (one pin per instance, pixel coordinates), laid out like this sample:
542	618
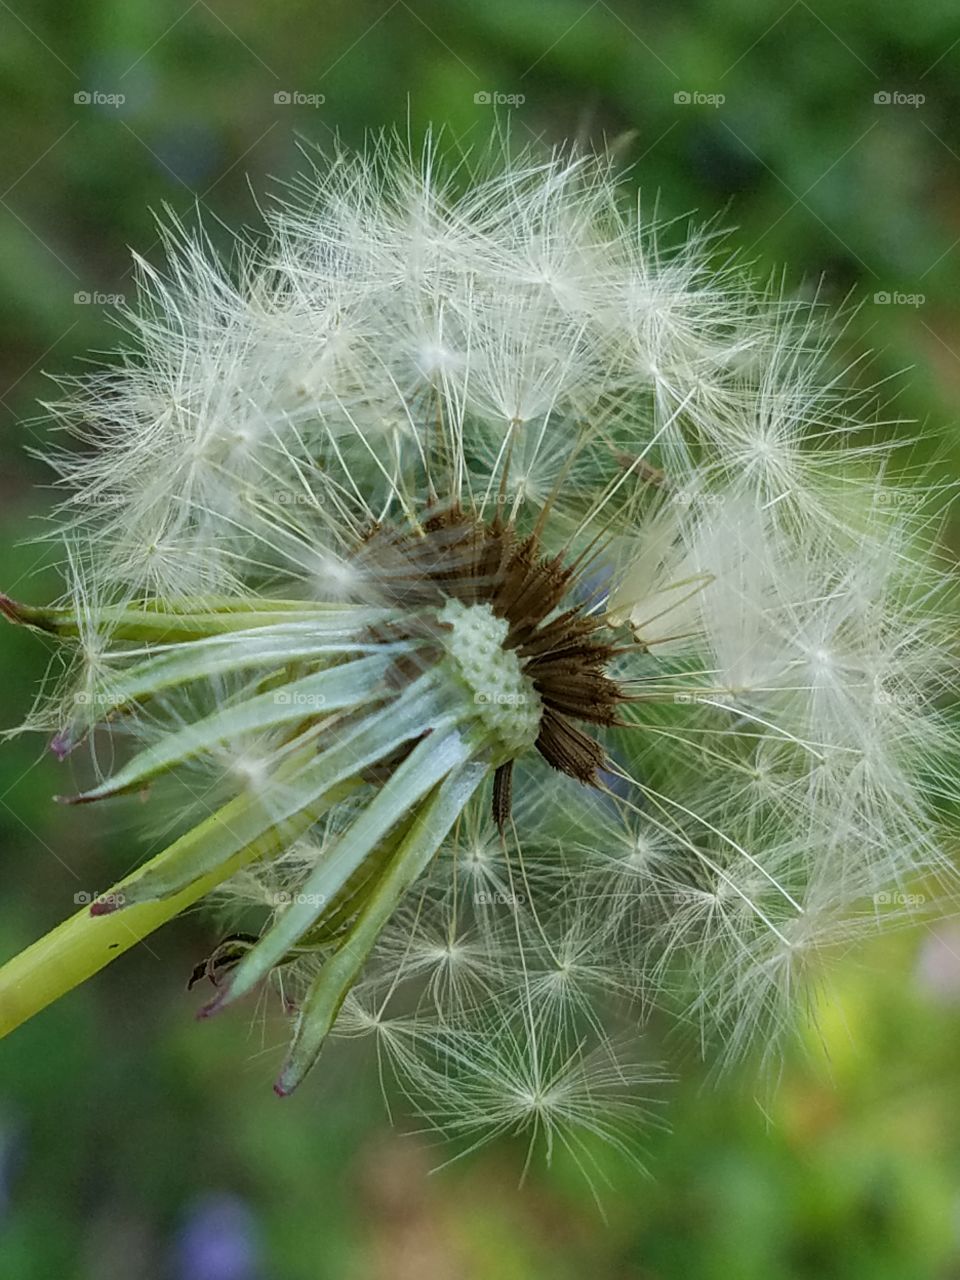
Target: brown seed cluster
564	651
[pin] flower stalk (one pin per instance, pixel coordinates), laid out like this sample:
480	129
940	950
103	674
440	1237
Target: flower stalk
96	935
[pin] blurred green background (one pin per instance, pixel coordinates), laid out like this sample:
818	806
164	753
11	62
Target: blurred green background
135	1143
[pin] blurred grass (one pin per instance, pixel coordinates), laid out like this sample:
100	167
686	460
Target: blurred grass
132	1141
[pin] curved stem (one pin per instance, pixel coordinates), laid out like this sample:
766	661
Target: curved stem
85	943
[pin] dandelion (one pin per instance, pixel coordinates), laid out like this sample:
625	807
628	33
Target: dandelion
518	617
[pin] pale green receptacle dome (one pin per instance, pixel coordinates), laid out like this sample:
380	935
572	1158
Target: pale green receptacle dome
506	700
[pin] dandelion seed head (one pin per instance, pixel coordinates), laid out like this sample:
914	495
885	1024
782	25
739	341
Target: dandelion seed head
533	583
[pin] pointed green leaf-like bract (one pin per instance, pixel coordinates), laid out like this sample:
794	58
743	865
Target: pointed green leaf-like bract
347	685
309	782
430	762
418	846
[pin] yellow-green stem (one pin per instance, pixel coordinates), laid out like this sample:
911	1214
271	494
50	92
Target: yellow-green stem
84	944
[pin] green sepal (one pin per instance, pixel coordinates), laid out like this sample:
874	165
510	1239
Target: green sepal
420	841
